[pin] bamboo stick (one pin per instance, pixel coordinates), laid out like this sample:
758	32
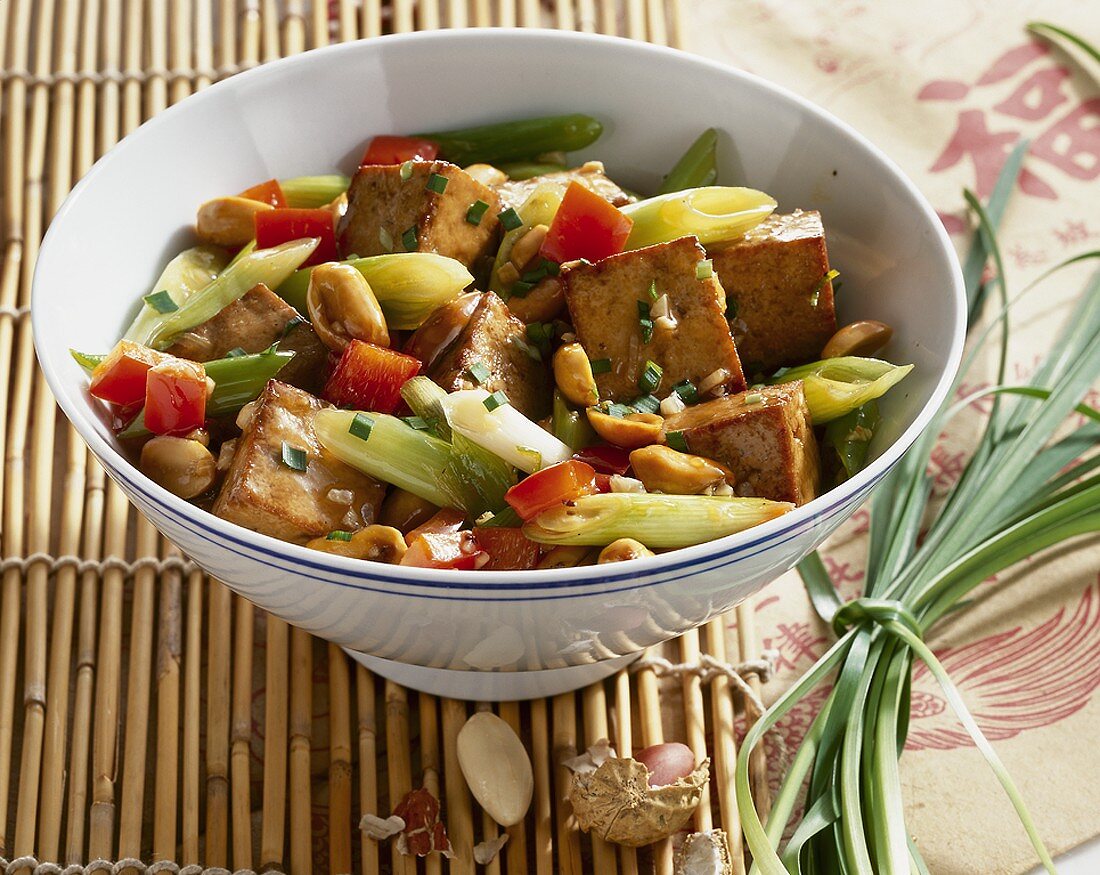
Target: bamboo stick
649	705
273	830
319	28
694	720
427	14
564	17
483	13
516	849
725	745
655	17
402	11
459	806
530	13
428	707
676	34
169	656
294	28
397	760
456	13
340	770
540	756
192	691
595	728
635	19
301	729
368	760
758	762
217	724
370	21
269	30
240	733
624	743
506	17
609	14
347	22
564	747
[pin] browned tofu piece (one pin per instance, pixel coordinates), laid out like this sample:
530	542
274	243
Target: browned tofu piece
603	300
763	435
252	323
262	493
590	174
498	340
382	207
784	308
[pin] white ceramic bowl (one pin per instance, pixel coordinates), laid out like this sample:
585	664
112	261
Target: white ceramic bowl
491	635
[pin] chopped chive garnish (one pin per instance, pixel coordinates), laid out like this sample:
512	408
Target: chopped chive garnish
645	322
417	423
437	183
530	351
479	372
386	239
161	302
704	270
531	453
510	219
687	391
338	536
815	295
600	366
552	267
235	353
618	410
361	426
731	309
676	440
754	398
476	211
497	399
536	275
653	290
646	404
643	309
651	377
294	457
520	288
409	241
540	332
406	171
292	323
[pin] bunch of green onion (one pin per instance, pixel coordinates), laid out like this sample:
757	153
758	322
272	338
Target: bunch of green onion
1026	489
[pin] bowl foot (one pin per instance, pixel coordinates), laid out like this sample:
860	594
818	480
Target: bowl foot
491	686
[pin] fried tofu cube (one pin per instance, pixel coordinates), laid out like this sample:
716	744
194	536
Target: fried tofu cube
493	337
514	192
386	210
764	436
781	304
606	301
263	493
252	323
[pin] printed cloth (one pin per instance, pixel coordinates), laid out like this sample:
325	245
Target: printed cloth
946	88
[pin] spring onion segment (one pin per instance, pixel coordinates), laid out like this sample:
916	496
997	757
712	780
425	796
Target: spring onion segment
310	192
408	285
504	431
538	209
835	387
393	452
477	477
517	140
268	266
425	398
191	270
521	170
713	214
658	521
571	426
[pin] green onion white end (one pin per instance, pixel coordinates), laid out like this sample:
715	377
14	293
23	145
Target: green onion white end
714	214
190	271
835	387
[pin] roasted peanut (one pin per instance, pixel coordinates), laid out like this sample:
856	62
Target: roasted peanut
573	375
667	762
183	467
496	767
629	432
663	469
544	303
376	543
441	328
623	550
486	174
229	221
405	511
865	337
343	308
527	247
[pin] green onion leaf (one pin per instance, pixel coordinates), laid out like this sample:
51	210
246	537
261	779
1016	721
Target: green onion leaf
361	426
731	308
479	372
651	377
338	536
476	211
510	219
704	270
816	293
437	183
406	171
677	441
161	302
653	290
687	391
646	404
600	366
416	422
236	352
497	399
408	239
87	360
294	457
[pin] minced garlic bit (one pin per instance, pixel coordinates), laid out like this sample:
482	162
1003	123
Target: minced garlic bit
569	337
722	489
626	484
713	380
386	239
340	496
661	307
672	404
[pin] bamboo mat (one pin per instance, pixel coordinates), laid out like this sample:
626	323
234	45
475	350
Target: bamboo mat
146	713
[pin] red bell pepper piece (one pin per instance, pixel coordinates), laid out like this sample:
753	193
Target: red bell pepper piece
274	227
120	378
605	459
175	397
585	226
446	520
369	377
603	482
398	150
269	192
457	550
550	487
508	549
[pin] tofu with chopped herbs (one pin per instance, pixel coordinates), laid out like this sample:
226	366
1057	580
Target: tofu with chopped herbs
282	482
251	324
659	304
514	192
492	351
426	206
764	436
780	301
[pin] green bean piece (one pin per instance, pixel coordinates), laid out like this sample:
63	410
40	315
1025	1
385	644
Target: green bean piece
520	170
237	381
517	140
696	167
850	436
